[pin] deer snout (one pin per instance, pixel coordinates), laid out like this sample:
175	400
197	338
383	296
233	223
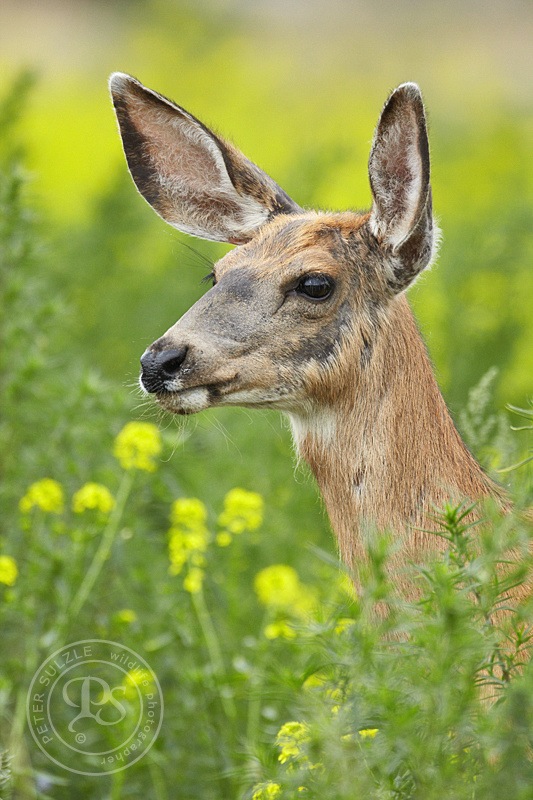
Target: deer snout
161	366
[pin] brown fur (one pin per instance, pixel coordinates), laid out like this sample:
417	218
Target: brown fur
350	369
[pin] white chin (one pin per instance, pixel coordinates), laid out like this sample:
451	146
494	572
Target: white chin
188	402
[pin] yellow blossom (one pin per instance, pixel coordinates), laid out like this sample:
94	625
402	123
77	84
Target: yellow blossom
138	680
46	494
188	512
368	733
243	511
192	582
188	541
8	570
290	739
266	791
336	696
177	553
93	496
315	681
137	445
279	630
126	615
278	587
223	539
344	624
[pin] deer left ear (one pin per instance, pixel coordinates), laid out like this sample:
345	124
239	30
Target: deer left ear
191	177
401	217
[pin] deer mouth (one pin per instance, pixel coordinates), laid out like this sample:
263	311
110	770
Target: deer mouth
193	399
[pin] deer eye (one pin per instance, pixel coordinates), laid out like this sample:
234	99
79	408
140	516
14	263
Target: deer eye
316	286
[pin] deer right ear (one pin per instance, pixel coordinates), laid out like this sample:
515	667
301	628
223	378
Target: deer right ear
197	182
401	217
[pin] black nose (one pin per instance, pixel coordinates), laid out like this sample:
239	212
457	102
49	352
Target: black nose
160	367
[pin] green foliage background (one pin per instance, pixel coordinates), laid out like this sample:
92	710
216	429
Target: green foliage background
89	277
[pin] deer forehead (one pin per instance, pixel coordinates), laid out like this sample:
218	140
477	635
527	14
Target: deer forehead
315	236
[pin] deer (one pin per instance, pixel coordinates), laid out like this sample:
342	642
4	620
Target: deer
308	315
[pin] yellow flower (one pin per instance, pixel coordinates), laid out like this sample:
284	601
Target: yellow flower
290	739
177	553
192	582
278	587
93	496
188	541
126	615
243	511
266	791
188	512
138	680
137	445
315	681
46	494
344	624
336	696
279	630
8	570
368	733
223	539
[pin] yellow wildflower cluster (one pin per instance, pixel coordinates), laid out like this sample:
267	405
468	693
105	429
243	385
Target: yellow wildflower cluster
8	570
46	494
188	541
137	445
280	590
243	511
93	496
279	629
368	733
291	738
267	791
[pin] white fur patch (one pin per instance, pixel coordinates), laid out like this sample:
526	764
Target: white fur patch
321	426
189	402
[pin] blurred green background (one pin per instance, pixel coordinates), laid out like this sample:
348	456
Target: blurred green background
90	276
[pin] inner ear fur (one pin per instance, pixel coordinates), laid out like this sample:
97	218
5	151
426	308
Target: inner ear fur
195	180
399	172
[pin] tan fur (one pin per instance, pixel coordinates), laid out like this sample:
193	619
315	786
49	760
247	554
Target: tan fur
349	369
396	455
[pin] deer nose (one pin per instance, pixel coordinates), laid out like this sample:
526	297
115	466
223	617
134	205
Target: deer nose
162	366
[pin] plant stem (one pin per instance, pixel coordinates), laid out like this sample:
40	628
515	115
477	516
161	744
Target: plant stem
213	647
256	685
101	555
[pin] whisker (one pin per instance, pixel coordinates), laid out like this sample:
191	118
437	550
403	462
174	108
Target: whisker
205	260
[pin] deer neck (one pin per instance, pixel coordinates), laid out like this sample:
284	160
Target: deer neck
383	447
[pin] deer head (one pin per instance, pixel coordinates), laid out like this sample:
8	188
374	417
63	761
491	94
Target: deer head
304	291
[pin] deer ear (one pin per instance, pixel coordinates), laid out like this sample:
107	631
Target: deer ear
193	179
401	217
